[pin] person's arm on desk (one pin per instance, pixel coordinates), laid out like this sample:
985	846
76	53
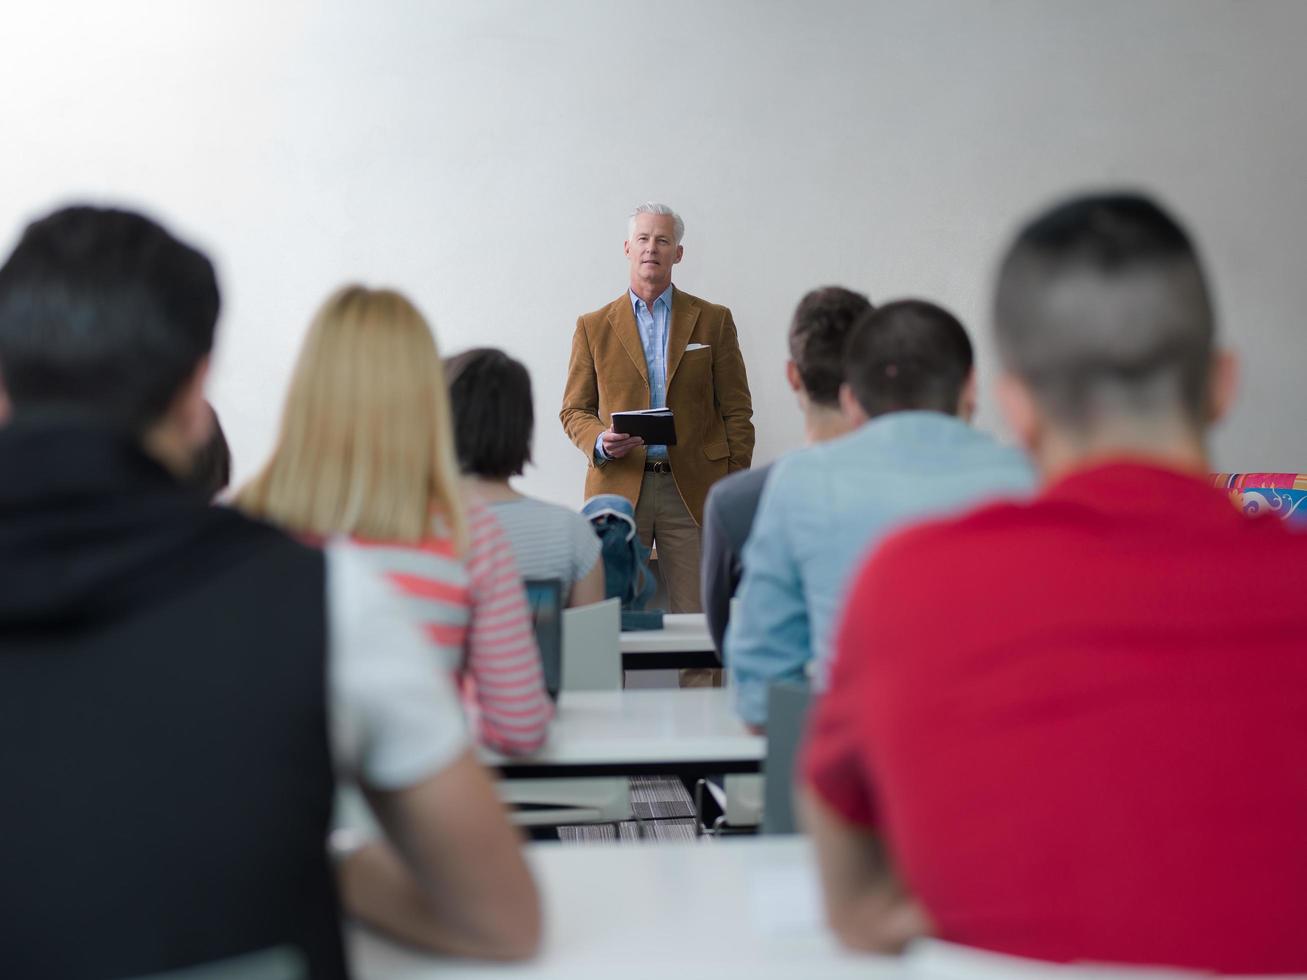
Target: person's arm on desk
866	905
454	881
452	877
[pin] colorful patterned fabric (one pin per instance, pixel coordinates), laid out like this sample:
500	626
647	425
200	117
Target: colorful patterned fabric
1284	494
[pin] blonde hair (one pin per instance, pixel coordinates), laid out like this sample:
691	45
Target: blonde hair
365	446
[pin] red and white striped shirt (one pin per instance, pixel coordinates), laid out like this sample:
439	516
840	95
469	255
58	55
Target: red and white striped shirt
476	615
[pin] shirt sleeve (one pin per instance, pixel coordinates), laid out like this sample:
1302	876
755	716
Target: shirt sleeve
769	639
504	681
395	715
600	455
835	753
586	547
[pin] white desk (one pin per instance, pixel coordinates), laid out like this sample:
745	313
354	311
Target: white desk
684	641
739	909
639	733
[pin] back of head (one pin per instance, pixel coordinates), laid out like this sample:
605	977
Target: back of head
908	355
493	415
103	315
365	446
1103	311
819	333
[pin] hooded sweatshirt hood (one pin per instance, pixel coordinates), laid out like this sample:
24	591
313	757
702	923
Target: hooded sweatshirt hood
91	527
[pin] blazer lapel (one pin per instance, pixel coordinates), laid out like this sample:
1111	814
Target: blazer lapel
684	315
622	318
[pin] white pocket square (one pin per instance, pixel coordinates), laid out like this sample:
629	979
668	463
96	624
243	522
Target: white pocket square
689	347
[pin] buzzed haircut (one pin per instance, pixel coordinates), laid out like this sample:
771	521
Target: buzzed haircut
908	355
819	334
1102	309
490	394
103	314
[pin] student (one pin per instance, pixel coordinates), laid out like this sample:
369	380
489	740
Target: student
178	683
493	421
366	450
818	334
1073	729
909	395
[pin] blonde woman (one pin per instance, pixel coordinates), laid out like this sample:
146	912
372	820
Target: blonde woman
366	450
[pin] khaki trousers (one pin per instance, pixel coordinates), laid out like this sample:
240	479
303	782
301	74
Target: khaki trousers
661	518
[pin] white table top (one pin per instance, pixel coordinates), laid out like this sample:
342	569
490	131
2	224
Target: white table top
681	633
745	908
696	725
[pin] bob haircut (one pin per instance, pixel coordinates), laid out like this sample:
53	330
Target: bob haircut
365	446
493	416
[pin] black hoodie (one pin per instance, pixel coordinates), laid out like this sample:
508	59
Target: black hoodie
163	722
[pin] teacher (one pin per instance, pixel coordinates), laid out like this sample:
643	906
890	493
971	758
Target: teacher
653	347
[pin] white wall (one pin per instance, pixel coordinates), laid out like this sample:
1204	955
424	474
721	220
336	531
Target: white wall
483	155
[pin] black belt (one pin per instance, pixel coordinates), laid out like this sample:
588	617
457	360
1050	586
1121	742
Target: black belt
657	466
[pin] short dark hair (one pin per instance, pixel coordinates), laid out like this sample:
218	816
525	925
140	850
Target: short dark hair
493	415
1102	308
908	355
103	313
211	466
819	333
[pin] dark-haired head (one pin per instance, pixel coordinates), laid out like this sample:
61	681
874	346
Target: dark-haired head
1102	312
819	333
103	315
909	355
493	416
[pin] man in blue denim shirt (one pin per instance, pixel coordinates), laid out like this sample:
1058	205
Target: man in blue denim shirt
910	388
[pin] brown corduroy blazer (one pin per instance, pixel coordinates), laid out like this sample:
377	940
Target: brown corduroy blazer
707	390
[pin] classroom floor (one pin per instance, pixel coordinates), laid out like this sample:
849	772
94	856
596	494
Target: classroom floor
662	807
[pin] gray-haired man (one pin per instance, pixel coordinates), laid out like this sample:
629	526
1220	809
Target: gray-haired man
657	346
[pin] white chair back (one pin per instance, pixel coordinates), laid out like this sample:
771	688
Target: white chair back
592	653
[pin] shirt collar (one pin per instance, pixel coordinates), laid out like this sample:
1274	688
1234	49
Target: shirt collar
1138	485
665	298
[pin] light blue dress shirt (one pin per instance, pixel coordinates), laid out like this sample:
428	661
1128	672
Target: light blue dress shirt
823	510
653	326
